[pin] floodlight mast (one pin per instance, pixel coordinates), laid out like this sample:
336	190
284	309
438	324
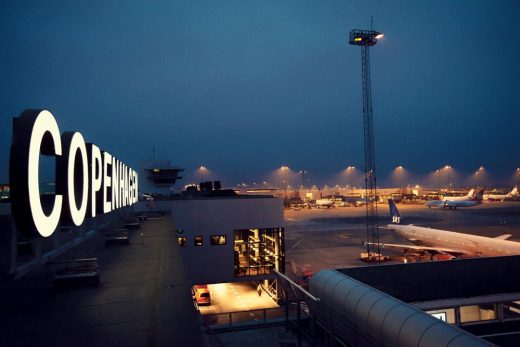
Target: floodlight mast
365	39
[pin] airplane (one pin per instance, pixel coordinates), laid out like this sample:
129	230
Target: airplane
445	245
452	202
501	197
324	203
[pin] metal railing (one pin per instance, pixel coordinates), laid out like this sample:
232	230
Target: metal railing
248	318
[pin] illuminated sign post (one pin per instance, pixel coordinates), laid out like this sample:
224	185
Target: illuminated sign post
88	181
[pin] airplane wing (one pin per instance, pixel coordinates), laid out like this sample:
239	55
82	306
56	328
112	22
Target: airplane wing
442	250
503	237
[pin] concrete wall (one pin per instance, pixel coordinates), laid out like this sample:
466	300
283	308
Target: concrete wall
155	206
220	216
5	237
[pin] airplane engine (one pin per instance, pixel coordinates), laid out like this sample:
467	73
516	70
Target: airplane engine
437	257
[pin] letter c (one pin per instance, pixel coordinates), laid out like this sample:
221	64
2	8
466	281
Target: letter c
44	124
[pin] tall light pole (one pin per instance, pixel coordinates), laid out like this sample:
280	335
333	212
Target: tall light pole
479	175
284	169
202	172
303	172
448	169
399	172
365	39
350	172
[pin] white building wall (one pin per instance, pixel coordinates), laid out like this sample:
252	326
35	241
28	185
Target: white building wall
220	216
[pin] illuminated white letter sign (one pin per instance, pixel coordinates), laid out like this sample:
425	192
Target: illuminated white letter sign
85	182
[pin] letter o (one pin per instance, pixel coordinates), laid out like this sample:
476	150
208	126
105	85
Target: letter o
77	143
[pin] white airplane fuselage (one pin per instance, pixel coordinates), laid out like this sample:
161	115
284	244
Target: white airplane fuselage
324	203
452	202
462	203
469	245
501	197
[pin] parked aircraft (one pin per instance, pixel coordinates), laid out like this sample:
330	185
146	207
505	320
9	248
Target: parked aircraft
452	202
443	244
324	203
501	197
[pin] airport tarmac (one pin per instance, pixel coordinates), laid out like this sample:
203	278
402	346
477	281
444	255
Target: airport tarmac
332	238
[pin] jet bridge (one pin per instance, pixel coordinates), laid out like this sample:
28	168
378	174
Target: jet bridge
355	314
480	295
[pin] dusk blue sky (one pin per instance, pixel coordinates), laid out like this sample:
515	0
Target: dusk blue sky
244	87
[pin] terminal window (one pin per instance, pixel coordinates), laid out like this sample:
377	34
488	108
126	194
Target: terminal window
197	241
258	251
217	240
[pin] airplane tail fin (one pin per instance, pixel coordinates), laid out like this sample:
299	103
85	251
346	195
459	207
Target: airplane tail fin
514	192
471	193
394	212
480	195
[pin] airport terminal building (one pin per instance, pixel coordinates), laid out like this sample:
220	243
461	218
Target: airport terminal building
230	238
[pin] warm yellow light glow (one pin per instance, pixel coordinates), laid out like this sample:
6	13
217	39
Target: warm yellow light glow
357	39
259	191
202	168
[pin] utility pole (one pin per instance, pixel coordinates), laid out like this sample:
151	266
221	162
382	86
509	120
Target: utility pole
365	39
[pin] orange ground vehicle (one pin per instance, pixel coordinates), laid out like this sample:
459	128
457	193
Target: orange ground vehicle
201	294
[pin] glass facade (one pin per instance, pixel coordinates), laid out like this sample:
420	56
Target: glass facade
258	251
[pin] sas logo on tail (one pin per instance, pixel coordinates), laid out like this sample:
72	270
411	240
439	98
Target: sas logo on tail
396	219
